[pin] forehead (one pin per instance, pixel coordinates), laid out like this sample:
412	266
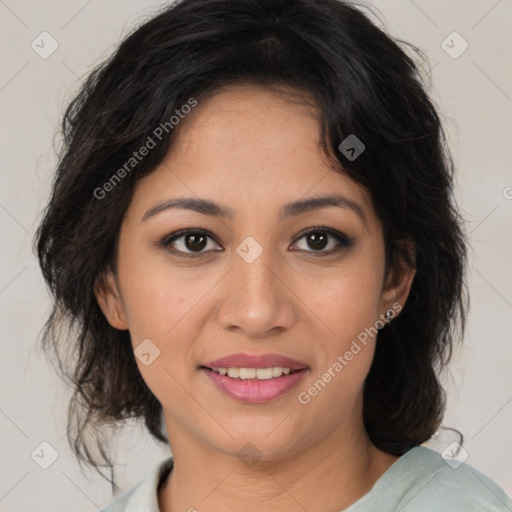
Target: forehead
249	146
250	123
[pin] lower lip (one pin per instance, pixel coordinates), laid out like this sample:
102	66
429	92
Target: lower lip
255	391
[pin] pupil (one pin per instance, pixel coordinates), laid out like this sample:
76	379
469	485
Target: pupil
317	240
195	242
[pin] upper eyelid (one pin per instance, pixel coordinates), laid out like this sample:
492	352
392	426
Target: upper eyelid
339	236
188	231
167	240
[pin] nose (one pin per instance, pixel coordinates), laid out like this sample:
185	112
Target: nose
257	300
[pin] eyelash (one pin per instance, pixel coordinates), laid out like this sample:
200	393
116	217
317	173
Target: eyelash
342	240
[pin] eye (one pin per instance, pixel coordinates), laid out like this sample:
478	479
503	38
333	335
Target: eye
319	239
195	242
189	242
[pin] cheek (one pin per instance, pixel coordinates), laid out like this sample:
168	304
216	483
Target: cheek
158	296
347	297
163	305
167	305
346	346
347	300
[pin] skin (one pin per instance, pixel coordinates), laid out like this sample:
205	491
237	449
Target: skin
254	150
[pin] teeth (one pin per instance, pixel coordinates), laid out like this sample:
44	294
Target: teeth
253	373
245	373
234	372
264	373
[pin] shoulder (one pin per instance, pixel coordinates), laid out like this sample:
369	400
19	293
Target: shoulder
452	484
422	480
144	495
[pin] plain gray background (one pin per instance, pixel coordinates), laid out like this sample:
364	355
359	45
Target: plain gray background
474	93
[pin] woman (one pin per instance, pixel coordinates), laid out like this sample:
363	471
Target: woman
253	240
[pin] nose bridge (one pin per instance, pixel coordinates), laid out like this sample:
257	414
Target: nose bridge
255	277
257	301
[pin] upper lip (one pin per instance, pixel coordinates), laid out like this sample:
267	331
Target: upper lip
243	360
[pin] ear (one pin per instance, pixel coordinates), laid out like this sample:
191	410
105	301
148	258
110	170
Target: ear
106	291
399	277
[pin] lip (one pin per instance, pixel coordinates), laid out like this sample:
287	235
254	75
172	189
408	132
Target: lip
255	391
244	360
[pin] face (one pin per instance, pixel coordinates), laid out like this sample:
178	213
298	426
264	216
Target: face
248	274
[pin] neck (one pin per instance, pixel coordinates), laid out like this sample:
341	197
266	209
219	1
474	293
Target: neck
328	476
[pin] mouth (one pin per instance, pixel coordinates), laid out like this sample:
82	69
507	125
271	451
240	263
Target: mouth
255	378
273	372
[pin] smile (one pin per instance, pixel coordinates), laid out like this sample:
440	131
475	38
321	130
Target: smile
253	373
254	378
254	389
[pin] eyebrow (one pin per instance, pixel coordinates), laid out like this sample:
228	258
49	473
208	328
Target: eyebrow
208	207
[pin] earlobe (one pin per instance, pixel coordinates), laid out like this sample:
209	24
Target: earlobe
107	294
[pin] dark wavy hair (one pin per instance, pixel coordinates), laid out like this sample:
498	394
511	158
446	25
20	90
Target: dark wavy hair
363	82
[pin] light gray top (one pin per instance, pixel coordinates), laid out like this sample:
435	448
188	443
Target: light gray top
420	480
